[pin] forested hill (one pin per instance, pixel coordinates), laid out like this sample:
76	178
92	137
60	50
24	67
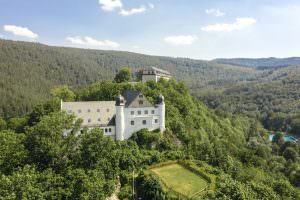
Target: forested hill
261	63
29	70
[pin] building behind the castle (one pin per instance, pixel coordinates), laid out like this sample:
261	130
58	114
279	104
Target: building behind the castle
154	74
129	113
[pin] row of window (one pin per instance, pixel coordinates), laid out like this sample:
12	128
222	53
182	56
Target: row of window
144	122
139	112
99	120
88	110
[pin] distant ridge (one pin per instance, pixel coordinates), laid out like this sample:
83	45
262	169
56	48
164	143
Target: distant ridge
261	63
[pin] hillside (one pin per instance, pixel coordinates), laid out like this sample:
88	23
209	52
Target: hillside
261	63
215	151
273	97
29	70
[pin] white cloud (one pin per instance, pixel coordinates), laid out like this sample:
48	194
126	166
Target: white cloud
151	5
117	5
20	31
215	12
132	11
239	24
88	41
110	5
180	39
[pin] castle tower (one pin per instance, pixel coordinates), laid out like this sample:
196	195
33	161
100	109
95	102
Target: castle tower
120	118
161	112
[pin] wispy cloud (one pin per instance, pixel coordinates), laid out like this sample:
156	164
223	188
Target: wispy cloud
117	5
20	31
180	39
239	24
215	12
132	11
89	41
151	5
110	5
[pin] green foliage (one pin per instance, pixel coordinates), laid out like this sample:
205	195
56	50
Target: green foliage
17	124
124	75
63	93
3	124
149	187
12	151
49	145
98	152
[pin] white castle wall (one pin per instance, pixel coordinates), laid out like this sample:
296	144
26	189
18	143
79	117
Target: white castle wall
138	120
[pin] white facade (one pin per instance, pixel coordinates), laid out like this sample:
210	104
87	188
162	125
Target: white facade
121	118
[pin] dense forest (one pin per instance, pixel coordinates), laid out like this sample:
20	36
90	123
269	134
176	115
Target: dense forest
273	98
38	161
29	70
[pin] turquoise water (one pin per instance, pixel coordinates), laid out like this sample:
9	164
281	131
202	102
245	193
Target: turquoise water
286	138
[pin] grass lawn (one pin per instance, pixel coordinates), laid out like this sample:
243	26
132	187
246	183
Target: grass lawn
180	179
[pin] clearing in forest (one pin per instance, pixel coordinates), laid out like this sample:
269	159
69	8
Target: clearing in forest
180	179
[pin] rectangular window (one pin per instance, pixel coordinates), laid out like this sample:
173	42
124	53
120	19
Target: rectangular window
156	121
107	110
109	130
141	96
152	112
106	130
132	123
144	122
141	102
89	120
79	111
98	110
146	112
139	112
89	110
132	112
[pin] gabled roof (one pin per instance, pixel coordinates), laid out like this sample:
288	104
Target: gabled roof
135	99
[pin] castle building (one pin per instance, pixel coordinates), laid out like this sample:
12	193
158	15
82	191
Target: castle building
119	119
154	74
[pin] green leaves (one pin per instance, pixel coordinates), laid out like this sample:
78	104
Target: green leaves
12	151
124	75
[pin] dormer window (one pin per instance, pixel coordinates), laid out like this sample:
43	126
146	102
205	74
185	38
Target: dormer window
141	96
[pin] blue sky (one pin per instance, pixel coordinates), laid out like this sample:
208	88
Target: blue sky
179	28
